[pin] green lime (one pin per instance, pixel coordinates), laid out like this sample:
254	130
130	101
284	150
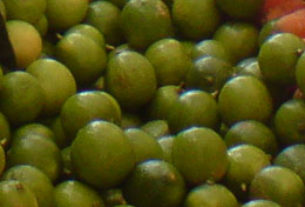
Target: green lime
60	137
2	160
278	184
14	193
240	9
156	128
105	151
293	158
254	133
266	31
210	196
245	161
145	21
170	61
194	19
36	180
85	58
19	10
209	73
166	144
300	72
240	39
17	107
105	16
278	57
57	82
210	47
89	31
36	151
155	183
144	145
130	120
200	155
113	197
162	102
42	25
5	131
131	79
189	47
64	14
32	129
25	40
244	98
76	194
261	203
87	106
193	108
120	48
100	84
289	122
249	66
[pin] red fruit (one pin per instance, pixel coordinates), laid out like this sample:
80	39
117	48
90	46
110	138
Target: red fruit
273	9
293	23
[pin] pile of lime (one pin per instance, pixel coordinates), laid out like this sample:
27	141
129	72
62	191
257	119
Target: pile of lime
150	103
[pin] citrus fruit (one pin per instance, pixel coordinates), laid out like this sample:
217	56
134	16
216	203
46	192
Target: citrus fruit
253	133
300	72
244	98
145	21
193	108
131	79
278	184
64	14
73	193
57	82
170	61
89	31
145	147
17	107
36	151
87	106
208	73
19	10
261	203
289	122
156	128
5	131
239	38
105	16
166	143
240	9
210	196
278	57
249	66
25	40
292	157
210	47
163	184
85	58
105	151
60	137
3	10
14	193
67	170
36	180
194	19
163	100
42	25
193	151
245	161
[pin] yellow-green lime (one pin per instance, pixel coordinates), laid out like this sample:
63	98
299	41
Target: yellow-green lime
57	82
145	21
210	47
105	16
29	11
25	40
166	143
64	14
156	128
84	57
42	25
194	19
60	137
87	106
261	203
105	151
200	155
17	107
